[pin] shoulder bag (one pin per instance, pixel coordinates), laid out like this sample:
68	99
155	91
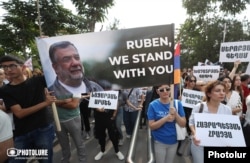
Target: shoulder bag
180	131
185	146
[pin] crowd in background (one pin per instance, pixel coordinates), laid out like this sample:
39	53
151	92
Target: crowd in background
233	98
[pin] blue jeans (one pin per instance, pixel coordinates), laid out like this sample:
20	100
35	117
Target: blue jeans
119	119
129	119
41	138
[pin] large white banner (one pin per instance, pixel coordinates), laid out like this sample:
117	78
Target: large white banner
219	130
127	58
233	51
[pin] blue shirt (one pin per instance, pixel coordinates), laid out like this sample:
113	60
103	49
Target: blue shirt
167	132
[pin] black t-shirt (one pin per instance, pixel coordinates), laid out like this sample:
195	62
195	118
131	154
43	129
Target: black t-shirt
27	94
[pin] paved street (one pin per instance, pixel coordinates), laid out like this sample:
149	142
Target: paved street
92	147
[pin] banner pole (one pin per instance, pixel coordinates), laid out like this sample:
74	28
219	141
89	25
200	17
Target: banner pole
55	114
171	95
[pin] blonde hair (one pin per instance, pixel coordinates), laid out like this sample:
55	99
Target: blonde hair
37	72
27	72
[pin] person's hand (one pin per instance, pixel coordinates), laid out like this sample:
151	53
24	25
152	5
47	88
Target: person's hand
100	109
237	63
63	101
139	107
112	118
196	141
170	118
49	97
172	111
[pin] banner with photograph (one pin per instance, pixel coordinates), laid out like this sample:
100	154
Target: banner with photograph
127	58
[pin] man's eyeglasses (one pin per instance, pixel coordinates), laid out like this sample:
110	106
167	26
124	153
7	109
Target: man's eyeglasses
11	67
164	89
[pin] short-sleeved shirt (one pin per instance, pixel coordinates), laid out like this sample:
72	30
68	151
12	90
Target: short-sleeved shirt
61	92
167	132
134	96
27	94
5	127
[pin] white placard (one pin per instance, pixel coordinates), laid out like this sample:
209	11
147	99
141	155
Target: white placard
190	98
104	99
206	73
219	130
233	51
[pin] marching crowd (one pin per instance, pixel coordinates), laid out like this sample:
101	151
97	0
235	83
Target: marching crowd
26	119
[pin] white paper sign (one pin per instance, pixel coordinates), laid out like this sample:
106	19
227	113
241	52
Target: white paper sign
232	51
190	97
206	73
219	130
104	99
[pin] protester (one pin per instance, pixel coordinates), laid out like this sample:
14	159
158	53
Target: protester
27	72
246	124
161	120
68	86
26	99
232	98
37	72
122	98
245	79
85	114
134	104
2	77
151	95
190	83
105	120
6	136
215	94
236	85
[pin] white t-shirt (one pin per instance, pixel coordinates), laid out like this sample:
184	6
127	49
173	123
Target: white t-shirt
235	101
5	127
76	91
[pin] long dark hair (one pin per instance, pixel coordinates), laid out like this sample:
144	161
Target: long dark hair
188	78
238	88
226	77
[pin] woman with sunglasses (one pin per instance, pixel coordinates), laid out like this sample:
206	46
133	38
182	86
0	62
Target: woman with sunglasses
190	83
161	120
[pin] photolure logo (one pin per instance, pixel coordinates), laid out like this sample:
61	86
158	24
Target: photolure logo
38	153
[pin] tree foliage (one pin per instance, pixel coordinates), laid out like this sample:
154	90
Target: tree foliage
24	18
203	30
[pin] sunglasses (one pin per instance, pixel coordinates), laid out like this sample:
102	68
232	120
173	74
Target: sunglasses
164	89
192	81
